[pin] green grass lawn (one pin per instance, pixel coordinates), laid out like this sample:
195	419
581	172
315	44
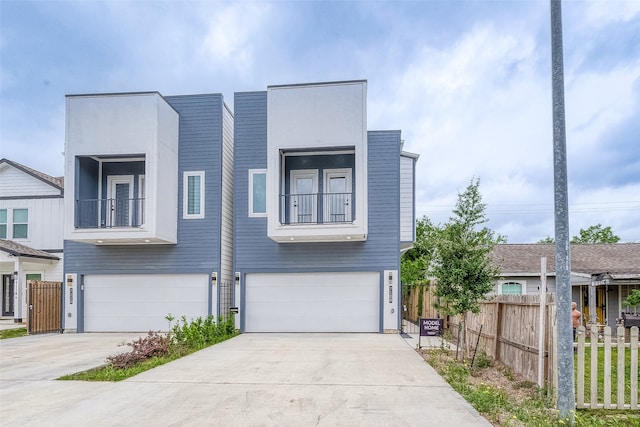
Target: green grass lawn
600	375
13	333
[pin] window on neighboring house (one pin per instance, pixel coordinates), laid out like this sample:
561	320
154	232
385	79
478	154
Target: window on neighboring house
512	288
193	196
20	223
257	192
3	223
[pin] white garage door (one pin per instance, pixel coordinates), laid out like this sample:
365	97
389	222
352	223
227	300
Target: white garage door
312	302
140	303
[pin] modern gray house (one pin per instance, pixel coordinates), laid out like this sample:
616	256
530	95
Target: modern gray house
148	210
323	208
289	212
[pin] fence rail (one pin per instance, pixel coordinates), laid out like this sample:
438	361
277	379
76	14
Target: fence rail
507	330
606	388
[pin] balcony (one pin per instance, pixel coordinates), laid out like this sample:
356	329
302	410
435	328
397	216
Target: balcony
327	208
121	163
109	213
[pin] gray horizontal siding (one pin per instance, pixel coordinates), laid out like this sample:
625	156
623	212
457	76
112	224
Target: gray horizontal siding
254	251
198	247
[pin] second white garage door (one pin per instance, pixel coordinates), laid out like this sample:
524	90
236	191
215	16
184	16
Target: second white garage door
312	302
140	302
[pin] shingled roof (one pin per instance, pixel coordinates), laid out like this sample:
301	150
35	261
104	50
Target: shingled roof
57	182
16	249
620	259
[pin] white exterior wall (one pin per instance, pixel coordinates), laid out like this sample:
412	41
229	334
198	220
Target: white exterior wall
391	302
126	124
226	230
16	183
320	116
407	209
45	221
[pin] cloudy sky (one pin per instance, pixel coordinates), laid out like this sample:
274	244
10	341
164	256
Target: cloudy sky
467	82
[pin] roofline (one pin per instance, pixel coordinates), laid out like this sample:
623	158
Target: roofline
28	171
317	84
414	156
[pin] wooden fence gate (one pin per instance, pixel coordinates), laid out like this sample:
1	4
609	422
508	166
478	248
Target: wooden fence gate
44	302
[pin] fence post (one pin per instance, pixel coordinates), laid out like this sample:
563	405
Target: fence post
634	367
606	366
620	339
496	344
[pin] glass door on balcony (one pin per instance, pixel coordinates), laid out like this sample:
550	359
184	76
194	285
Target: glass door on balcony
119	198
303	198
337	195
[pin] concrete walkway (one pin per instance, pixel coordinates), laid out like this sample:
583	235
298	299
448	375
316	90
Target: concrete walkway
251	380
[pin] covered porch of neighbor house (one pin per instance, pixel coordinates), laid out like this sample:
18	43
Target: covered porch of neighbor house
18	264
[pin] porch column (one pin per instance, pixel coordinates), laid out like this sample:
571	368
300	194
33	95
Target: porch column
592	301
19	293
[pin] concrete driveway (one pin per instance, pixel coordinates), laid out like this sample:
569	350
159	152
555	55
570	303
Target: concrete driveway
251	380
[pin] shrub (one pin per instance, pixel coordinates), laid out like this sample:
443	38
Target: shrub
153	345
201	332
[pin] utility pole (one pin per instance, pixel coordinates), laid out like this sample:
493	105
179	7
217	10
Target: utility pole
566	393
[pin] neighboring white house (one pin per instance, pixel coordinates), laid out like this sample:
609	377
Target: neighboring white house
31	234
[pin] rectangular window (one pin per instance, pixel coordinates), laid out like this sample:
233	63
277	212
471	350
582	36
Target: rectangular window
193	196
20	223
512	288
257	192
3	223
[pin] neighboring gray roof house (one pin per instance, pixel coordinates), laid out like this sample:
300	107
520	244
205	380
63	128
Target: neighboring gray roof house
520	266
622	261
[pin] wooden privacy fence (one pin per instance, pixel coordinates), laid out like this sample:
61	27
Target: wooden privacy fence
601	366
507	330
418	301
44	302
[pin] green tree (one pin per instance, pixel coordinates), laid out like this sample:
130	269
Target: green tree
414	264
547	239
462	263
633	299
596	234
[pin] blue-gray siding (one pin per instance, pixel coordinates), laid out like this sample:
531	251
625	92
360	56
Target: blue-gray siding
255	252
198	247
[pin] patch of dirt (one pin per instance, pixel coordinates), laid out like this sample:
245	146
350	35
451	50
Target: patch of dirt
488	373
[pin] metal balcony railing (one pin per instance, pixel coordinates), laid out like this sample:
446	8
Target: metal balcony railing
109	213
318	208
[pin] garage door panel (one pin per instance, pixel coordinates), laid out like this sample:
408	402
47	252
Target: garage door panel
139	303
313	302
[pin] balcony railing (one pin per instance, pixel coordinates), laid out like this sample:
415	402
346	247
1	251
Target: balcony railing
109	213
318	208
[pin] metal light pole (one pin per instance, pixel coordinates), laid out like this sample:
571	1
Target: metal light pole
566	394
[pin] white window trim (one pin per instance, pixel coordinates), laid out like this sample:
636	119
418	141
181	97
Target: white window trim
6	224
293	191
142	189
253	214
504	282
112	180
185	195
13	223
340	173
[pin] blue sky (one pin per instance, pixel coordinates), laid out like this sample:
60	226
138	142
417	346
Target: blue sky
467	82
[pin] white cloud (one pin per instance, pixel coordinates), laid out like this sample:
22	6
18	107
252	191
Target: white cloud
601	13
232	34
598	100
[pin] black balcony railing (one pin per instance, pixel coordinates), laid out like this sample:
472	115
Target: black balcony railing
319	208
109	213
